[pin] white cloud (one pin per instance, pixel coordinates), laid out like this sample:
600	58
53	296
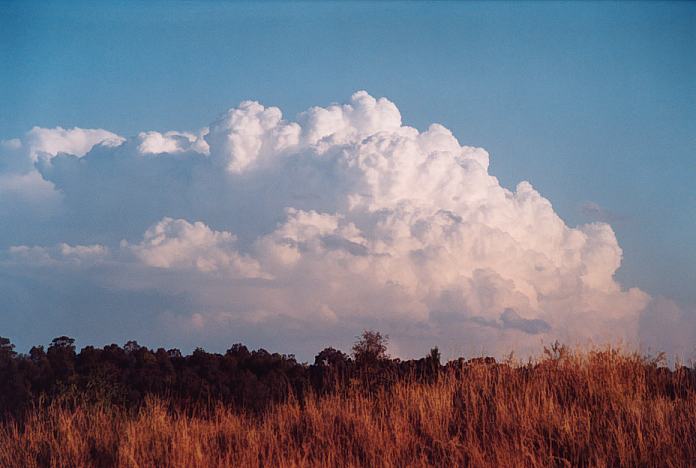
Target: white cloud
58	255
172	142
22	188
346	123
178	244
76	141
341	220
245	136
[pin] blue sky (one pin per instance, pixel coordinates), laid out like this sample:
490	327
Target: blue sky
594	103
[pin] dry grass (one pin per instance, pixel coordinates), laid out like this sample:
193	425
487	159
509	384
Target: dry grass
591	409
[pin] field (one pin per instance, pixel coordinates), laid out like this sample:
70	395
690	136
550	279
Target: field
596	408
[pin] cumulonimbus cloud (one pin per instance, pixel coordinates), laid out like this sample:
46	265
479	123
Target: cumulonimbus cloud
342	219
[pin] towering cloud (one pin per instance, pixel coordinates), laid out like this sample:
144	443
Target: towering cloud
297	232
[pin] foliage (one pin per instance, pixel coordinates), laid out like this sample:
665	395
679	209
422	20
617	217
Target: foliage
370	348
248	380
598	408
133	406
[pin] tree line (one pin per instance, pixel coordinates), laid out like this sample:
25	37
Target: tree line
250	380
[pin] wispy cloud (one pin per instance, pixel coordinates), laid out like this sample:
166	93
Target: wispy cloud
594	212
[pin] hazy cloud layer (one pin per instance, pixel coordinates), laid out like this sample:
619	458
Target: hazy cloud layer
297	234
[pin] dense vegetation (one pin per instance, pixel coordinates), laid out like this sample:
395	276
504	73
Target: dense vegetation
247	380
131	406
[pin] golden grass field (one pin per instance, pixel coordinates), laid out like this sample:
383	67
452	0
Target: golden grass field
599	408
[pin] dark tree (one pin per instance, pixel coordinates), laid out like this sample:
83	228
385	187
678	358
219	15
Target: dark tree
6	348
370	348
331	357
61	356
131	346
249	380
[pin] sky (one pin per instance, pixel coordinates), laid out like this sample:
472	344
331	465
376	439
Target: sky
173	239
